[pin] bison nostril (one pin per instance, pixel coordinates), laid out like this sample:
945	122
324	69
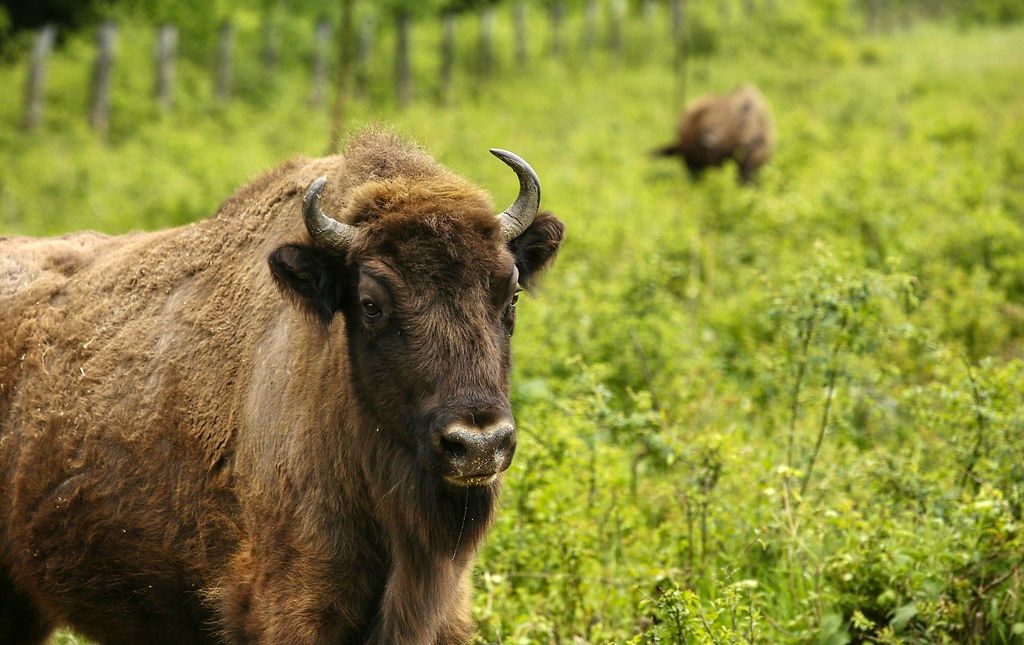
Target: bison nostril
506	443
475	451
453	449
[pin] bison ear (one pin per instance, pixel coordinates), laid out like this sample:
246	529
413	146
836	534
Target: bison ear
536	248
310	277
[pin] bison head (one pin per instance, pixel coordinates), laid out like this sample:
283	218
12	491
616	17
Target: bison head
426	278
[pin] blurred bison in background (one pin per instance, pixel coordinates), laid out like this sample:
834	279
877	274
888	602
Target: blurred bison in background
196	447
714	129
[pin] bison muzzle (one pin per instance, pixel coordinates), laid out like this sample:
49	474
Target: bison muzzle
188	456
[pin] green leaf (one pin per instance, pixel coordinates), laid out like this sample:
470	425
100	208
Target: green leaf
902	616
832	631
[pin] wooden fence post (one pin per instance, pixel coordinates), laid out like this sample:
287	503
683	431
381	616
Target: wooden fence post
649	20
403	65
485	44
680	48
647	14
677	22
102	72
322	45
615	12
519	19
724	11
166	49
590	11
364	49
341	100
447	56
268	50
225	47
556	14
36	85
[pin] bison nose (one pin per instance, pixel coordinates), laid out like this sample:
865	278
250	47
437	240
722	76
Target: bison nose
475	455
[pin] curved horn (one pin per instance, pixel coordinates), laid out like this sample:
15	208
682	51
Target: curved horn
517	218
324	230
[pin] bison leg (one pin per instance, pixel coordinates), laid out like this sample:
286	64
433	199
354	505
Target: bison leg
747	174
748	170
751	161
20	621
695	168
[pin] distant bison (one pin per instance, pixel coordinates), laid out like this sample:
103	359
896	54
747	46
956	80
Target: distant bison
714	129
198	447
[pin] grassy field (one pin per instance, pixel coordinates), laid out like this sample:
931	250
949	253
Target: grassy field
784	413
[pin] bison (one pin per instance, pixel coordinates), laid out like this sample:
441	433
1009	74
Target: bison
274	425
714	129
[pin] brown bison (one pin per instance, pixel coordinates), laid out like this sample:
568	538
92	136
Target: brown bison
194	448
714	129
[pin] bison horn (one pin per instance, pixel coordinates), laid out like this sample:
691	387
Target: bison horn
518	217
327	231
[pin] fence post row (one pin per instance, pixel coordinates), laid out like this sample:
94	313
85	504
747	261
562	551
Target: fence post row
322	44
166	49
99	97
225	45
35	87
357	64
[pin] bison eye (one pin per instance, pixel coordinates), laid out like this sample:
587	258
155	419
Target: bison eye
371	310
510	309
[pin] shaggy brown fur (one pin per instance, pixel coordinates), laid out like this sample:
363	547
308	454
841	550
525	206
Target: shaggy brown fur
714	129
186	456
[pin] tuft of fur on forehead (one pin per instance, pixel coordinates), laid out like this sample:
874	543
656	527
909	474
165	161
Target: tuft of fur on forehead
377	153
414	211
402	196
431	230
398	177
375	204
442	207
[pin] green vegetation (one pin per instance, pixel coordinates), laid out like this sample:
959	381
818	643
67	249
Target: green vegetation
785	413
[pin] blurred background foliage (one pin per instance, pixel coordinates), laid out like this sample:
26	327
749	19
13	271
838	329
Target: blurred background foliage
790	412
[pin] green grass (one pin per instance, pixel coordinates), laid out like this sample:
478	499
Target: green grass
695	340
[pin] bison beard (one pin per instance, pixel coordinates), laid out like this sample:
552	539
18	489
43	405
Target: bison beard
188	456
